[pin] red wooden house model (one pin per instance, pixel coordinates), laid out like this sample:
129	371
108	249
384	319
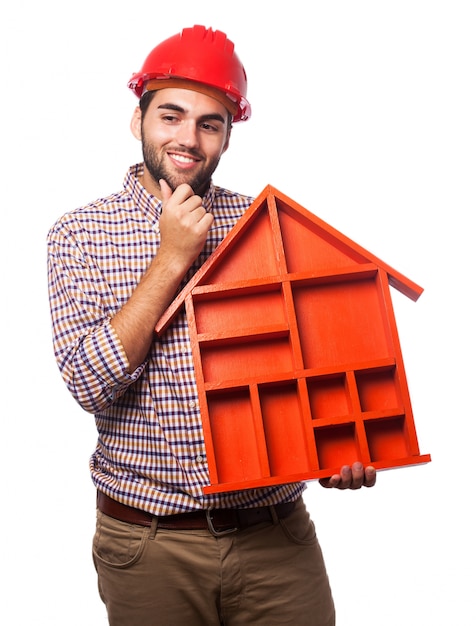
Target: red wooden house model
296	352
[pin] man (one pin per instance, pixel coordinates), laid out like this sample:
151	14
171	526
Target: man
165	553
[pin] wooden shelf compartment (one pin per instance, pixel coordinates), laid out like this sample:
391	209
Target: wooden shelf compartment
296	351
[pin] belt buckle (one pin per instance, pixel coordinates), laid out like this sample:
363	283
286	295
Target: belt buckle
214	531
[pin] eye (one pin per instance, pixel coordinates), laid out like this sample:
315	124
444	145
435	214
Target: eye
169	118
211	128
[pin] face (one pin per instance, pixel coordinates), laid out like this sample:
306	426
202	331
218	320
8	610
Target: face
183	134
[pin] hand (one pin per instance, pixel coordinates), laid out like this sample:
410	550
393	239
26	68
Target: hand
184	225
353	477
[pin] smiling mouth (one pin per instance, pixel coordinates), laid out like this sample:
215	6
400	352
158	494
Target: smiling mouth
183	158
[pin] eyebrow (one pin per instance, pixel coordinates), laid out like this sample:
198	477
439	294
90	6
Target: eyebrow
209	116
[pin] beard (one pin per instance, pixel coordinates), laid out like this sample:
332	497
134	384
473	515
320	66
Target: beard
154	162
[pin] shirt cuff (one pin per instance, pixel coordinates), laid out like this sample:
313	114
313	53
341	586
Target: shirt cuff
107	357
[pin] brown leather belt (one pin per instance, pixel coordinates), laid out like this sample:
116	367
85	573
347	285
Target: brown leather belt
217	521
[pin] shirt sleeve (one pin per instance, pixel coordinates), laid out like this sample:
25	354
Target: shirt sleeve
89	354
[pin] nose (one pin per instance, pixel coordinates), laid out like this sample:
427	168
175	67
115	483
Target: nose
187	134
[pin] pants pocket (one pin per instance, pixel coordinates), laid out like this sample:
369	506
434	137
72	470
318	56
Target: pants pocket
117	544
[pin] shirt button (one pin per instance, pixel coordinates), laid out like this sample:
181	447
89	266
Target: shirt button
199	458
192	404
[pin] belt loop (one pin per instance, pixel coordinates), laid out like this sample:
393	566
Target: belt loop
153	527
274	515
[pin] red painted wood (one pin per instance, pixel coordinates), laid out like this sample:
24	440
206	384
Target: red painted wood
296	351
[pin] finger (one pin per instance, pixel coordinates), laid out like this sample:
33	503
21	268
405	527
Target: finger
331	482
346	477
353	477
370	476
165	190
182	194
206	219
343	480
358	475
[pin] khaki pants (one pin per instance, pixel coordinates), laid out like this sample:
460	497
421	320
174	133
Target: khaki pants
266	575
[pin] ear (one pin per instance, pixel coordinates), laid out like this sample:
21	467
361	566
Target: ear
136	123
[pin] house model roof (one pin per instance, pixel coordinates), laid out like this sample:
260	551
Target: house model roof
296	351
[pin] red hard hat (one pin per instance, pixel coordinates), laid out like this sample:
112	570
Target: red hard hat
200	55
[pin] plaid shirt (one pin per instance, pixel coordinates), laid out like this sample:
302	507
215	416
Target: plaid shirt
150	451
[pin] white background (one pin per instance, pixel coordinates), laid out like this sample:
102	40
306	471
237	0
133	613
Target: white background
364	113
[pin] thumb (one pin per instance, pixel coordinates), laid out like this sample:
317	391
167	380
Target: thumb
165	190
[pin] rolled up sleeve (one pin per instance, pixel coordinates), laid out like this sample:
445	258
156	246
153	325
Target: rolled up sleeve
89	354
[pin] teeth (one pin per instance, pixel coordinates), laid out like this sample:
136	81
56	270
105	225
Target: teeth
182	158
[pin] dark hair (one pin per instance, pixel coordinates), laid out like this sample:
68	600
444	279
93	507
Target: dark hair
146	99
